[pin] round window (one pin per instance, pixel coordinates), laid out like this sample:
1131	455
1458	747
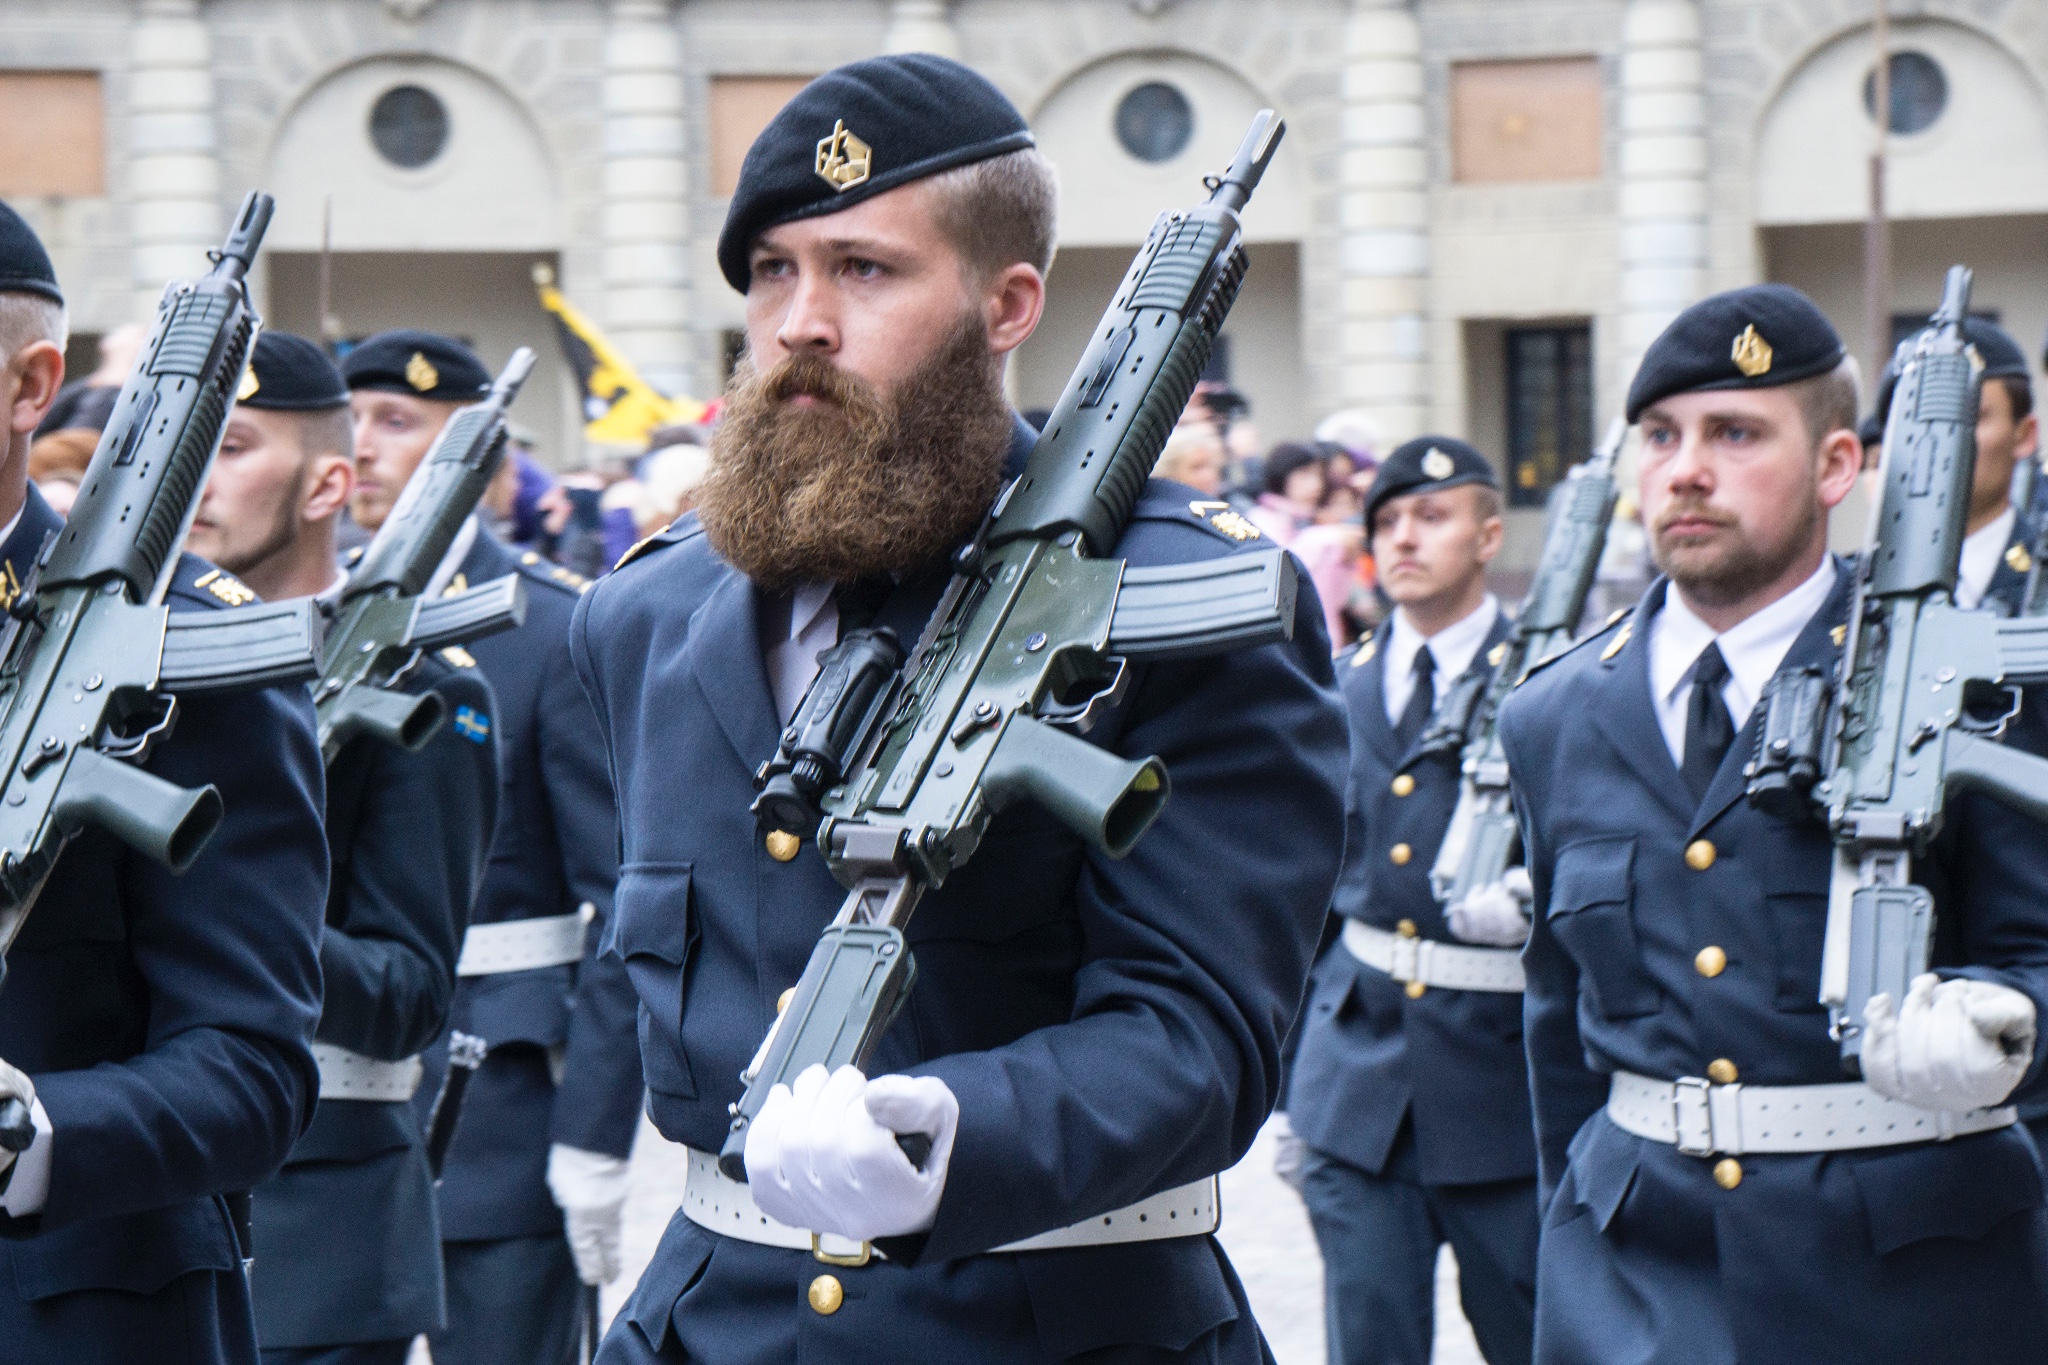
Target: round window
1919	92
409	126
1154	122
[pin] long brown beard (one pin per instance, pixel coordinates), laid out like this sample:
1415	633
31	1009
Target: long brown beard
862	483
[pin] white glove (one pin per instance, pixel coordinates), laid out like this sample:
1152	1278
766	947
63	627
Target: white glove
1953	1045
14	1084
823	1155
1289	1151
1496	915
590	1189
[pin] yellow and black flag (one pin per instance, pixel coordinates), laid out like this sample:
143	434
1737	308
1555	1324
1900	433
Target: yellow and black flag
619	407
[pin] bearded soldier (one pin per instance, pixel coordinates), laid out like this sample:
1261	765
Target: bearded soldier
1085	1035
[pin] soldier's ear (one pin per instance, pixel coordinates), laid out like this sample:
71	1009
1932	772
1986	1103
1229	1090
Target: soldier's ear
1840	460
38	369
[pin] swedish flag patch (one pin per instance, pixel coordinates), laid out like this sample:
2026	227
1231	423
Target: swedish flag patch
472	724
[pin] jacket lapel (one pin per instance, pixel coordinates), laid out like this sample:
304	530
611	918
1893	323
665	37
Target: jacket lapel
722	654
1369	718
1481	665
1624	713
1814	647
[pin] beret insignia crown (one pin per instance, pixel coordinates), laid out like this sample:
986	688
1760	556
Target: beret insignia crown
1438	465
420	372
1751	353
843	159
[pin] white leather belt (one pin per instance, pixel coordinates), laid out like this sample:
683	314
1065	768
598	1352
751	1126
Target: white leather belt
1700	1117
726	1206
1447	966
346	1075
520	945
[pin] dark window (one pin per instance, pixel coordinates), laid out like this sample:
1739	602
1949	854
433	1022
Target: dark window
409	126
1154	122
1919	92
1550	408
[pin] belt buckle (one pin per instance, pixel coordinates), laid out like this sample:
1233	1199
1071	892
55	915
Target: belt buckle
1407	960
1692	1114
850	1261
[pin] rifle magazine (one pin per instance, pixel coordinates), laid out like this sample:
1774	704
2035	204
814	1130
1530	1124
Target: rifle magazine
1212	606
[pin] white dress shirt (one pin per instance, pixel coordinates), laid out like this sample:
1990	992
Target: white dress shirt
1753	648
813	628
1983	552
1452	648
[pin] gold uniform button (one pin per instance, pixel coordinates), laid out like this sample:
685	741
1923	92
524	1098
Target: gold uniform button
1700	855
782	1000
1727	1174
1400	853
1415	990
1406	928
826	1295
1721	1071
782	845
1403	785
1710	961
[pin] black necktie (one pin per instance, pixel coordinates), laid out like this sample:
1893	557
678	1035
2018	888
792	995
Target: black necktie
1708	729
1421	701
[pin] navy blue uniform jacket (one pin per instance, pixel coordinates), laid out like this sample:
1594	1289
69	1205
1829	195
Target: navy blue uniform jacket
1370	1056
1925	1252
166	1023
556	849
1111	1028
348	1246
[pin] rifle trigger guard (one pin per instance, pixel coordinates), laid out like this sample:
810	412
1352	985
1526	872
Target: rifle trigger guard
1080	716
136	747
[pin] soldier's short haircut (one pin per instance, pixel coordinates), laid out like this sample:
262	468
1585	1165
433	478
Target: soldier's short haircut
325	431
28	318
1831	401
1001	211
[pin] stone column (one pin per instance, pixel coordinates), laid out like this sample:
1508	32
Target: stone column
1663	172
921	26
1383	215
173	170
646	212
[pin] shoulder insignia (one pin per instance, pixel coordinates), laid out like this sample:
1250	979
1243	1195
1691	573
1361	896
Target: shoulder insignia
356	554
2017	556
1618	643
457	584
226	587
635	550
1613	648
569	579
530	558
1221	517
1838	635
10	585
1614	616
1366	652
1495	655
459	657
472	724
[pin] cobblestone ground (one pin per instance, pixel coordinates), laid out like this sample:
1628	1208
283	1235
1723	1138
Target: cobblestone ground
1264	1229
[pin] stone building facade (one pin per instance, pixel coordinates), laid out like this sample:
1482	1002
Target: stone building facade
1483	210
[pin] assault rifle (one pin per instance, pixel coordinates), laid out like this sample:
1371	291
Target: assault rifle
896	765
384	624
91	661
1912	713
1481	840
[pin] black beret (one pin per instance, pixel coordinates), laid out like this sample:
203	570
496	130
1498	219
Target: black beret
1998	357
858	130
292	375
1758	337
1426	465
423	364
24	266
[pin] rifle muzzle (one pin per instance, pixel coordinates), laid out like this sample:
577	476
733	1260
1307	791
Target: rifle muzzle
394	717
1107	800
168	823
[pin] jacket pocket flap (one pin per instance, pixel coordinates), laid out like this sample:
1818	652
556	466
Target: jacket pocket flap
136	1252
1603	1166
651	913
1598	872
677	1266
1168	1295
1962	1188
